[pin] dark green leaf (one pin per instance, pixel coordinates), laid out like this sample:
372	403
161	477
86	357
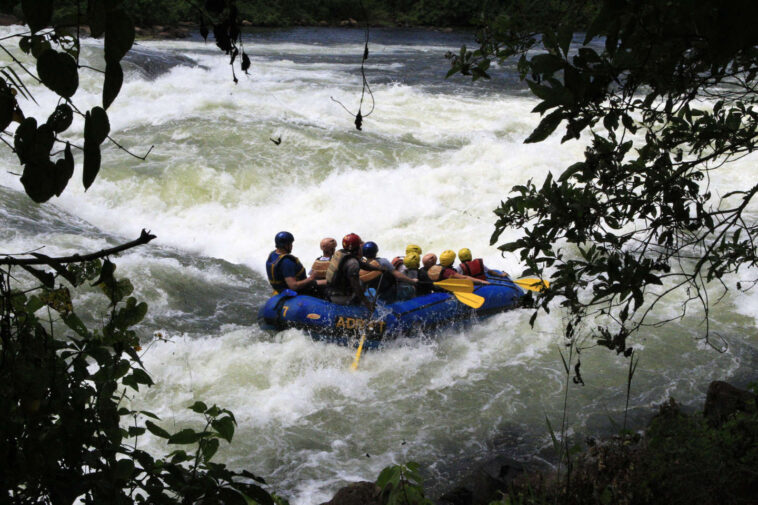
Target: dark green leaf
565	34
61	118
186	436
7	105
119	34
25	44
58	71
114	78
209	448
224	427
546	63
124	469
157	430
25	139
96	17
37	13
141	377
40	45
96	126
46	278
39	179
76	324
231	496
64	169
96	129
199	407
547	126
91	166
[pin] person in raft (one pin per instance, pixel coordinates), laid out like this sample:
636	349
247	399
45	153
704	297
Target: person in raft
422	286
445	269
284	270
384	280
397	261
343	274
475	268
318	269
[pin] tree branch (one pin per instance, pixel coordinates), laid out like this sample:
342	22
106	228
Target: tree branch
41	259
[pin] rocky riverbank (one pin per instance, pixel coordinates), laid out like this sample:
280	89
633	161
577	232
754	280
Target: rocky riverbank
705	458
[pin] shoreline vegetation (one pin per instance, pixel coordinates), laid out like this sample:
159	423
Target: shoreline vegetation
166	19
707	457
697	458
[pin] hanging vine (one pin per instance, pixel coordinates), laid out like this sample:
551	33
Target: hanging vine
365	88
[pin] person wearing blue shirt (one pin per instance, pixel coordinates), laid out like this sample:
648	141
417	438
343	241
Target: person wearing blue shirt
284	270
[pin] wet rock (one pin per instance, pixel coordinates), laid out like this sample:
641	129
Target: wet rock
724	400
485	483
357	493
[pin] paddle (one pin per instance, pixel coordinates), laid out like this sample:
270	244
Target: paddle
462	289
357	358
354	365
470	299
456	285
532	284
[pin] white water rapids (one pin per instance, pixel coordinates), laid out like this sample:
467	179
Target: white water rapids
433	160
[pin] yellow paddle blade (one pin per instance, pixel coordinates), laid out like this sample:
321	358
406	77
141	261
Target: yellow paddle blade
456	285
470	299
532	284
357	358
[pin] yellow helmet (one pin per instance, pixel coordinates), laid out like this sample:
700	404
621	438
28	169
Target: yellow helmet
464	254
413	248
411	260
447	258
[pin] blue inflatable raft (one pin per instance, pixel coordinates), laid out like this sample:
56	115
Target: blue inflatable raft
343	324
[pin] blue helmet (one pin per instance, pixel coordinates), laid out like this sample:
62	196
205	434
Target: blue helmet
370	249
283	238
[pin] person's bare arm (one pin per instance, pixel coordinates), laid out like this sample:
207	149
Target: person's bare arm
473	279
295	285
402	277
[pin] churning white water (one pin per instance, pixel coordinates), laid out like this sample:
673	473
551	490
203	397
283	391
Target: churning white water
433	160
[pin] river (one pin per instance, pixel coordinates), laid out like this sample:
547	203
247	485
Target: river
434	159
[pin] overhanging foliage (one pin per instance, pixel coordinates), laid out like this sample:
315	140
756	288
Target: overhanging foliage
665	91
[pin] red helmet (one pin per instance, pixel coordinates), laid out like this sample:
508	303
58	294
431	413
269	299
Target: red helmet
351	242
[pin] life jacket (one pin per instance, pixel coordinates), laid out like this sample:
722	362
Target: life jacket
334	277
435	273
440	273
320	266
474	268
274	273
367	276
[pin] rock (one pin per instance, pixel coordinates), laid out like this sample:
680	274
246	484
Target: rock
9	19
344	22
724	400
247	22
352	22
357	493
484	484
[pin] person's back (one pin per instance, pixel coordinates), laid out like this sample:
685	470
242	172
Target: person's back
284	270
342	275
381	279
444	270
475	267
423	284
320	264
386	283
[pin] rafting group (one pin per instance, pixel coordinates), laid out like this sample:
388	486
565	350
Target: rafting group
351	275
